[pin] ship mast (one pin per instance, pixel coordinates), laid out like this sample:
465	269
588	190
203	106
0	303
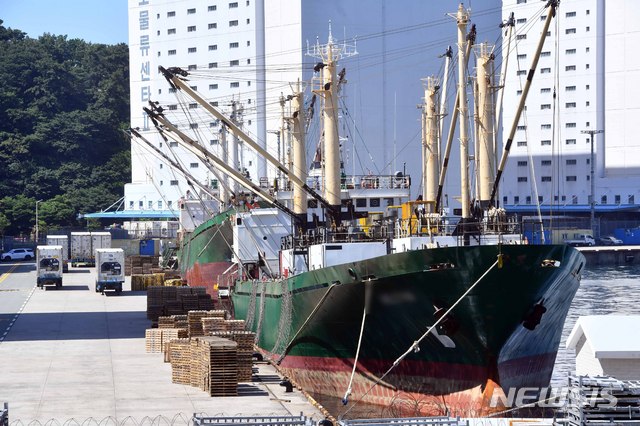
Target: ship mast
462	18
486	113
329	55
430	141
299	153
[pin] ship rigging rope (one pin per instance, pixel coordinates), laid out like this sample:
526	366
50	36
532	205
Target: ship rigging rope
367	302
416	345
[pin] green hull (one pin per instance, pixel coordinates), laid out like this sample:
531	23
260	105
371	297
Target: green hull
311	322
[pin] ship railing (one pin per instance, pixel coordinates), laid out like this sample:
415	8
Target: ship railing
366	182
407	421
301	420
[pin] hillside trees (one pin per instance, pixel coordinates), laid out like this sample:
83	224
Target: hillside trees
63	104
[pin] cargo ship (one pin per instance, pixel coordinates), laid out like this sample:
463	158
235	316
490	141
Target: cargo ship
362	294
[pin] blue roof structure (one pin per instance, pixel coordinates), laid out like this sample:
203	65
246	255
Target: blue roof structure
133	214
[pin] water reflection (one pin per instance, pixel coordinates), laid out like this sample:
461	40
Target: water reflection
603	291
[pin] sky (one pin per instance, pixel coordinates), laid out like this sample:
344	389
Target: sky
91	20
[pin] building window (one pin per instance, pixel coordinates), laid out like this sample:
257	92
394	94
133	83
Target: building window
234	84
528	199
540	199
519	92
587	66
570	88
587	103
543	17
171	31
192	50
522	178
171	52
545	106
191	28
234	45
233	23
173	107
213	65
570	68
570	14
522	56
521	72
213	47
603	199
173	144
546	142
212	8
521	36
572	162
522	1
234	63
570	125
521	143
545	70
248	43
588	29
193	165
374	202
193	67
588	179
587	87
159	204
213	142
522	163
545	178
521	21
545	54
545	126
213	86
570	51
212	25
233	5
173	182
249	21
570	105
215	103
631	199
172	90
516	199
546	162
617	199
571	179
141	204
521	128
193	125
193	105
570	31
171	14
545	90
191	11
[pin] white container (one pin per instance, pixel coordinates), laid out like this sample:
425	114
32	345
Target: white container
49	265
109	269
61	240
100	240
81	248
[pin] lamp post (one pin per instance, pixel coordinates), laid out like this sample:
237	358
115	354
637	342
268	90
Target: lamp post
37	202
593	181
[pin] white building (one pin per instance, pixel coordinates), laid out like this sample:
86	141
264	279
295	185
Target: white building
245	53
605	346
586	79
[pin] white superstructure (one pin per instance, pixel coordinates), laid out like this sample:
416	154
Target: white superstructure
589	62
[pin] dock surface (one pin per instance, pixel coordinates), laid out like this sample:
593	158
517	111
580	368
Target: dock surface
75	353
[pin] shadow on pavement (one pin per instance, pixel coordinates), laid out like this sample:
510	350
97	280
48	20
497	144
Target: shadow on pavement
66	287
78	271
76	325
245	389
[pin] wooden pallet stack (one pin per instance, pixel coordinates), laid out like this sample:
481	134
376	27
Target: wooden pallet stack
215	321
137	265
195	322
166	322
221	360
157	338
155	306
180	356
602	401
245	340
235	325
162	300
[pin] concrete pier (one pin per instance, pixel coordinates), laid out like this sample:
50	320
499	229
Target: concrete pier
75	353
611	255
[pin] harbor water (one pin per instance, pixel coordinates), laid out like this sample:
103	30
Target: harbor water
603	291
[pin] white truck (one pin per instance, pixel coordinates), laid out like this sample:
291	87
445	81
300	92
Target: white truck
61	240
581	240
109	269
49	265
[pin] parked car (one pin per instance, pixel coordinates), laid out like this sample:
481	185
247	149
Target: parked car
610	241
18	254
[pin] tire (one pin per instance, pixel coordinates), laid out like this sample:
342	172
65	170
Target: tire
7	258
27	257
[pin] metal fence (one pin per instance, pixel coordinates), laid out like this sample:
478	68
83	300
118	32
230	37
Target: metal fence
300	420
408	421
4	415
